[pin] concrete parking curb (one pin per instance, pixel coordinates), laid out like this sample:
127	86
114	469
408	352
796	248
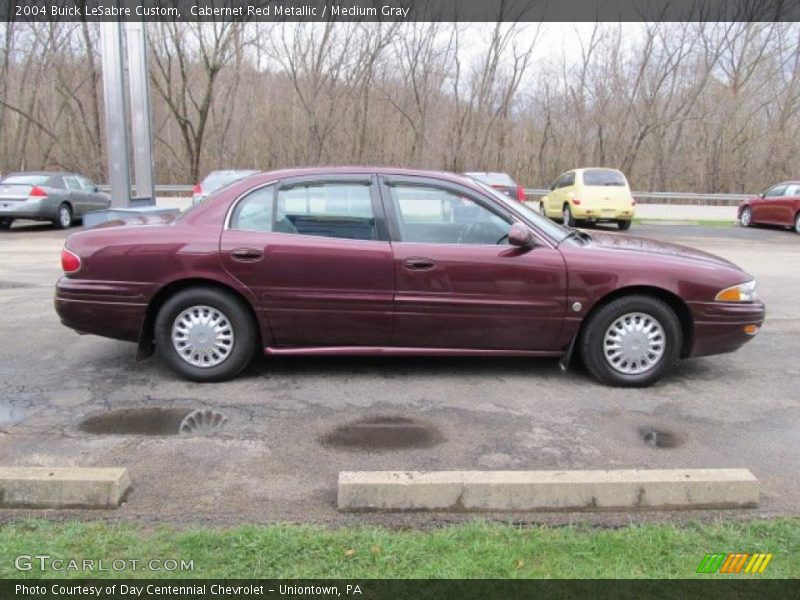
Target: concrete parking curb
62	487
547	490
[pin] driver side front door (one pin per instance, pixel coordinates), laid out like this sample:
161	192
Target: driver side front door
458	283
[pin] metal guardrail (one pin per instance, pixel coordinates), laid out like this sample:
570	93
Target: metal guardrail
648	197
680	197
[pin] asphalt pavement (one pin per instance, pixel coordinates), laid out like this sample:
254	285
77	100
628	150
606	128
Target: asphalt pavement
294	422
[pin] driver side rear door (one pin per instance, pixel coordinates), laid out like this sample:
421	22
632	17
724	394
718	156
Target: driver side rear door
458	283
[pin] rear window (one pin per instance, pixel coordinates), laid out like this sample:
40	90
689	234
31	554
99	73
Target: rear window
493	178
219	179
27	179
603	177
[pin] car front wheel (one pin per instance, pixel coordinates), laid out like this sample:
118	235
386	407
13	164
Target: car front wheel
6	222
205	334
746	217
632	341
797	223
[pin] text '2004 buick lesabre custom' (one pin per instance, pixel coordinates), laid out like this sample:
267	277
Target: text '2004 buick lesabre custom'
378	261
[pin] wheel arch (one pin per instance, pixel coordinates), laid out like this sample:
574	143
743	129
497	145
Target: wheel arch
671	299
146	344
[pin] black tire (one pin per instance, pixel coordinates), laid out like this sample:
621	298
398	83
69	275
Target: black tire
746	217
542	211
240	321
63	217
6	222
624	225
797	223
567	218
592	344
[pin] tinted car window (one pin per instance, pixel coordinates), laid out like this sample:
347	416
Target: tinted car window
776	190
603	177
27	179
340	210
254	211
432	215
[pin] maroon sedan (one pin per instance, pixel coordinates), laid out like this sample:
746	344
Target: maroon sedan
779	205
374	261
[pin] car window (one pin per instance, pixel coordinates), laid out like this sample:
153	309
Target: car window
793	189
775	191
254	211
339	210
87	185
432	215
493	178
569	179
72	183
26	179
603	177
217	180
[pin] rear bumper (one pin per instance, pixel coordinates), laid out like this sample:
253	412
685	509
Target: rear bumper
110	309
34	208
719	327
591	213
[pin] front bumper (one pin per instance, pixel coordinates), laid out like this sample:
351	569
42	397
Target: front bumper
719	327
590	213
110	309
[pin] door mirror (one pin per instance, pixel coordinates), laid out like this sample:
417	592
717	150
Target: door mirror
519	235
762	195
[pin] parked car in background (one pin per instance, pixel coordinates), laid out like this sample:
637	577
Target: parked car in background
590	195
216	180
779	205
502	182
380	261
55	196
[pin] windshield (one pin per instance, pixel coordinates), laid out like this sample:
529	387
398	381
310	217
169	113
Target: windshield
554	230
603	177
26	179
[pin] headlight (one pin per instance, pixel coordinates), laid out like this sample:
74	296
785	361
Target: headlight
744	292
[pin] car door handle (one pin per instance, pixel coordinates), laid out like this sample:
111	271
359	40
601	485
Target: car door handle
419	264
247	254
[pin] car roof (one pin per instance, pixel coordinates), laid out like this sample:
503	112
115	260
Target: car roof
361	170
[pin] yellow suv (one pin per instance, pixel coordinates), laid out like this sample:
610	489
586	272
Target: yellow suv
592	195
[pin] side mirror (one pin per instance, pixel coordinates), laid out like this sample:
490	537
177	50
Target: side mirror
519	235
762	195
552	187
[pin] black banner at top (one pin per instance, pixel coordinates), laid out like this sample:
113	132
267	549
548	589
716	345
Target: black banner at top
400	10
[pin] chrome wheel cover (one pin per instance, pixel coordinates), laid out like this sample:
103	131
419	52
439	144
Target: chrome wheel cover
634	343
797	224
745	217
64	216
202	336
566	216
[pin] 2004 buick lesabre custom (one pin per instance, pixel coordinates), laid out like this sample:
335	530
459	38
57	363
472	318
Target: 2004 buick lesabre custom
376	261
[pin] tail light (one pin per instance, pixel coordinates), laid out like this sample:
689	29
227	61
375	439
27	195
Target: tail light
633	201
37	192
70	262
576	202
520	193
197	190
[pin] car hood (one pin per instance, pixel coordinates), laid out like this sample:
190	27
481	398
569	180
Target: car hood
630	243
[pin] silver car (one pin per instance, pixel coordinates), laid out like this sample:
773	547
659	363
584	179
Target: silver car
54	196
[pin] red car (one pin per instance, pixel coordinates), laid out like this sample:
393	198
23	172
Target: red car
374	261
779	205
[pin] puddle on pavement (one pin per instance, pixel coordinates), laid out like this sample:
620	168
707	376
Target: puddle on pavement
658	438
383	433
155	421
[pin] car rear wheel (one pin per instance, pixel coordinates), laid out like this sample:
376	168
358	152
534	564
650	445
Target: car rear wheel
797	223
6	222
624	225
632	341
746	217
567	218
205	334
64	217
542	211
